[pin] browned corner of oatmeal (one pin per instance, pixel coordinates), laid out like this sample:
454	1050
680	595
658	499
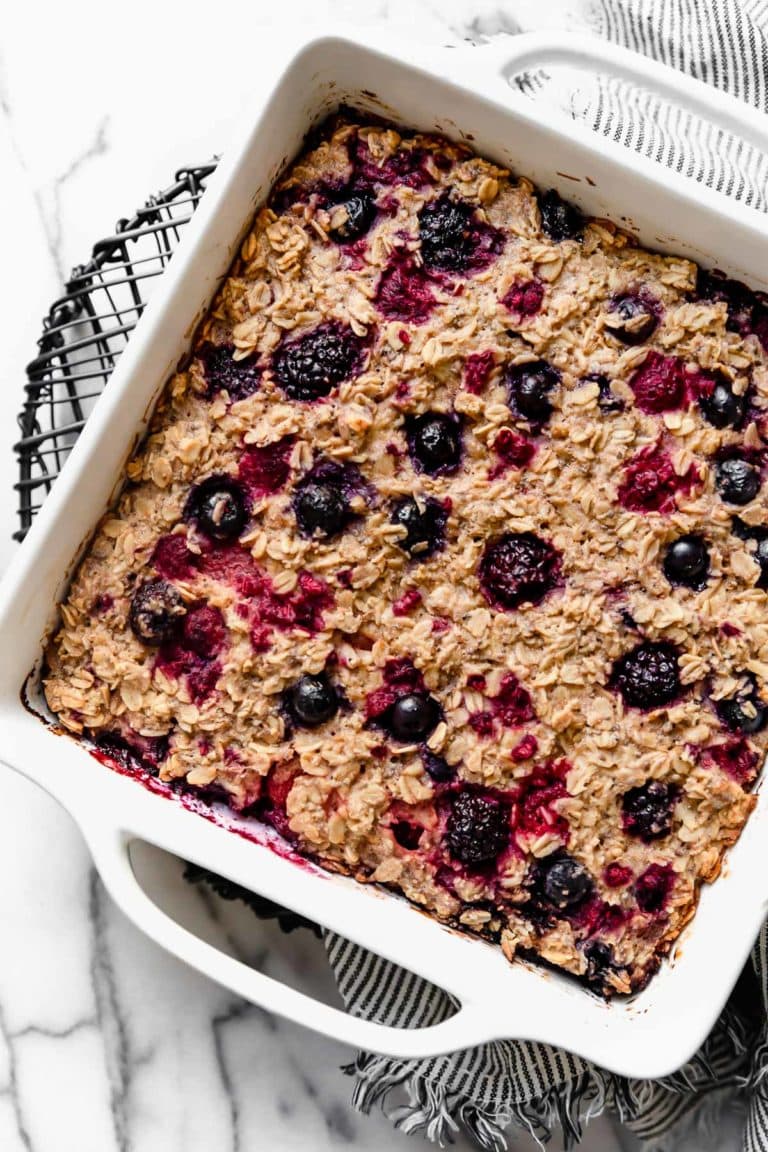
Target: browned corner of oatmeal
447	556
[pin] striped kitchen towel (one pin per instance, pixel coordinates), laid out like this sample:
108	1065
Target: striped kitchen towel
489	1090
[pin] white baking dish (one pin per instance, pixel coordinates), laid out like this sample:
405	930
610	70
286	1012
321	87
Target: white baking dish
464	93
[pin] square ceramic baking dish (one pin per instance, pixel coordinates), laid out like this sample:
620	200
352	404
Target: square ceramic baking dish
465	94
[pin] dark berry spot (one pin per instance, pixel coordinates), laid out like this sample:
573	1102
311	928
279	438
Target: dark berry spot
660	384
424	521
352	218
157	611
321	498
687	561
413	717
518	568
560	220
563	882
320	509
648	676
453	238
434	442
652	889
599	958
218	508
529	388
438	769
406	834
239	378
312	701
607	400
633	317
720	406
308	367
404	290
737	481
646	811
477	828
524	298
761	555
743	712
650	483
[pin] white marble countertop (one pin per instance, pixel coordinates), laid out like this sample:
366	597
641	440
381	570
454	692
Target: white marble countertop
106	1043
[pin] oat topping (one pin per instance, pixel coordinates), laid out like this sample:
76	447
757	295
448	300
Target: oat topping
447	555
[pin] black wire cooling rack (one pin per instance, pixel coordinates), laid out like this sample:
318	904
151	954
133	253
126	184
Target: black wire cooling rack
88	327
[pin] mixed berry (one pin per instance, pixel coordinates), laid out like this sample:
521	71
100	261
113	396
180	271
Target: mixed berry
633	317
454	239
312	701
310	366
217	507
519	568
530	388
478	828
648	676
434	442
424	521
157	612
559	219
686	561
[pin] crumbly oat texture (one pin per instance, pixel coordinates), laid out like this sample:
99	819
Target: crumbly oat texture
446	556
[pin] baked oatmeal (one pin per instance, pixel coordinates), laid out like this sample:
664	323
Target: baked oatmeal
447	555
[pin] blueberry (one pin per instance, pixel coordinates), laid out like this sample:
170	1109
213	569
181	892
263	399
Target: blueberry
529	387
321	509
607	401
744	711
406	834
424	522
413	717
218	507
477	830
632	319
648	676
560	220
437	768
309	366
434	441
157	611
312	700
722	407
737	481
563	882
761	555
599	957
759	536
687	561
518	568
360	214
646	811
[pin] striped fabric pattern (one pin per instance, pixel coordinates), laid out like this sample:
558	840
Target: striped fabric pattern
490	1090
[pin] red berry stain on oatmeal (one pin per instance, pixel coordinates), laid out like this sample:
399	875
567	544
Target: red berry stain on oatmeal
400	679
477	368
617	875
303	608
524	298
264	470
730	630
273	806
734	757
102	604
661	383
653	888
440	624
600	916
511	707
408	166
525	749
513	451
407	602
172	558
193	656
650	483
404	291
533	812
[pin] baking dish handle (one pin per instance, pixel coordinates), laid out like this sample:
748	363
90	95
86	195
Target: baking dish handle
111	854
512	55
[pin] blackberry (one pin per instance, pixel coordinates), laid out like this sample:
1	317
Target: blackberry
518	568
157	612
239	378
453	238
560	220
648	676
308	367
646	811
477	830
